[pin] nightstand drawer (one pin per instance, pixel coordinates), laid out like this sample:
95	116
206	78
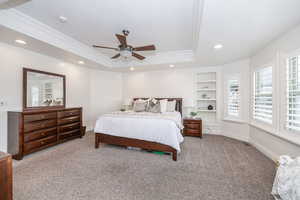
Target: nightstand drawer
192	132
192	126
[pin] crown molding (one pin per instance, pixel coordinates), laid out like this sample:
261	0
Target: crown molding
22	23
158	58
17	21
197	22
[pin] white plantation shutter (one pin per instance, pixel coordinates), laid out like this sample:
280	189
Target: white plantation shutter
262	103
293	94
233	104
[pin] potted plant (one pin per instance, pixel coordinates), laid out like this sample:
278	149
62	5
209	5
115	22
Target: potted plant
193	114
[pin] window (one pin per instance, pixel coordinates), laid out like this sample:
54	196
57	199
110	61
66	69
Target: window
293	94
262	103
233	101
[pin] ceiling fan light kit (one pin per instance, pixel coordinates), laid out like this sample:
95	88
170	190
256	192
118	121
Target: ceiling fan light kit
125	50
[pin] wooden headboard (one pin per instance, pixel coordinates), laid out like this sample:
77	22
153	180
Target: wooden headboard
178	106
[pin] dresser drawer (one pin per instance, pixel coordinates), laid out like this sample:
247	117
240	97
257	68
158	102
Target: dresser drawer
33	126
38	117
68	113
192	132
192	126
69	134
69	127
40	134
68	120
32	146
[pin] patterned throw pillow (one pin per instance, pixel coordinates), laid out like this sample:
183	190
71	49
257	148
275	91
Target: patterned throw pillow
153	106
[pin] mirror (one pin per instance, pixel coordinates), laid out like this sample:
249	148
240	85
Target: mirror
43	89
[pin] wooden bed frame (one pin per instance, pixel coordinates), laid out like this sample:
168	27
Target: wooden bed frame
143	144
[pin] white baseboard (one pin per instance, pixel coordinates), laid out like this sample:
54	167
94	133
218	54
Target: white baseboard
237	137
265	151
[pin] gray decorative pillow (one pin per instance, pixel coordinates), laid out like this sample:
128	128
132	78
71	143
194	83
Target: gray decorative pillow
154	107
139	106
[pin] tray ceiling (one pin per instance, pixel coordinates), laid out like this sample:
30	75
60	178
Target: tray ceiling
168	24
183	31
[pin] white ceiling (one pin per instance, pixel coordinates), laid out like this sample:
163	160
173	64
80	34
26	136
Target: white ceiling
176	27
168	24
243	27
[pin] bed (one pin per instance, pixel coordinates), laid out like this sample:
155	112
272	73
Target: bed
148	131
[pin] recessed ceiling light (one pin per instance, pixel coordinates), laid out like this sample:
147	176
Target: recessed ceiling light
131	68
63	19
81	62
218	46
171	66
20	42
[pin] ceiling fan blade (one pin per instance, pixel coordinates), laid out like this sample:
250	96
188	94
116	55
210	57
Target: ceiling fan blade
116	56
138	56
122	40
96	46
145	48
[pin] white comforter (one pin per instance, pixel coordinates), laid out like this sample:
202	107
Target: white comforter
287	181
164	128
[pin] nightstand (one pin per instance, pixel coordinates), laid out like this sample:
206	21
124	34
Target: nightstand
192	127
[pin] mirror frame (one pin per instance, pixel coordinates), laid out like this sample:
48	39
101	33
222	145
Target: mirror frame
25	107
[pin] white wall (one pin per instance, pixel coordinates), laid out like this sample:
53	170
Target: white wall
78	83
105	93
270	144
180	82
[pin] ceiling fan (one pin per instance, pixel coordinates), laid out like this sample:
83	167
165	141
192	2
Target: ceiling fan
126	50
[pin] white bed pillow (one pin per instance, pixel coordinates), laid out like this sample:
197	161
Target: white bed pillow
163	105
171	106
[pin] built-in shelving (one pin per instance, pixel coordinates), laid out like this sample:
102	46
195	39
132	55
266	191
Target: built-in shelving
206	95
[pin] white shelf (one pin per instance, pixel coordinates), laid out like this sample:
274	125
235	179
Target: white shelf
208	81
206	99
211	111
206	90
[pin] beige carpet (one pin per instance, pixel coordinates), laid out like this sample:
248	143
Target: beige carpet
214	168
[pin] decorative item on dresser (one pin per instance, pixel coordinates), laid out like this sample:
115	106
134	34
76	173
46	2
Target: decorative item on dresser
31	131
5	177
192	127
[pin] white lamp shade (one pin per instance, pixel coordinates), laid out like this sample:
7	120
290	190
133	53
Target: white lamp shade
188	103
127	102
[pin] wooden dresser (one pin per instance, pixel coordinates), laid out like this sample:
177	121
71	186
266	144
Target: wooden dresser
31	131
5	177
192	127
